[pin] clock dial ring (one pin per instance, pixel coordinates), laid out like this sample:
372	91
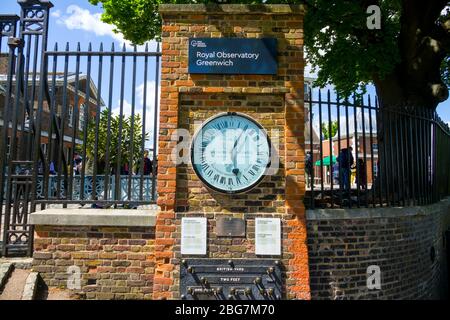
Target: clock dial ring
233	154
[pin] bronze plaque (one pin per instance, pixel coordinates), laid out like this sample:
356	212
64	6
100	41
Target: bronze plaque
230	227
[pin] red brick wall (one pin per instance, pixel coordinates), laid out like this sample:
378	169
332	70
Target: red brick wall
115	262
344	243
180	192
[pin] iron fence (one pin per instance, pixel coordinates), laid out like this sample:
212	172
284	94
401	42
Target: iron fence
362	155
78	126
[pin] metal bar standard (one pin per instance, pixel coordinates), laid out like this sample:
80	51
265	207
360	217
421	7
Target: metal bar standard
155	124
363	178
330	138
356	142
119	142
75	121
372	159
86	121
52	110
4	155
61	154
339	149
347	171
97	122
384	183
108	126
321	146
144	115
133	107
13	145
311	133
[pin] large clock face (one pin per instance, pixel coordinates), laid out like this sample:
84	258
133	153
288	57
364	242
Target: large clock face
231	153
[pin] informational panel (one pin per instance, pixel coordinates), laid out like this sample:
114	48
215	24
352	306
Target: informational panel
234	279
268	236
193	236
233	56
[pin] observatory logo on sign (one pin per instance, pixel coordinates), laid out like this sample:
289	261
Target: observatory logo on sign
198	44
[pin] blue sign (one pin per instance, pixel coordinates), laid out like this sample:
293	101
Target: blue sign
233	56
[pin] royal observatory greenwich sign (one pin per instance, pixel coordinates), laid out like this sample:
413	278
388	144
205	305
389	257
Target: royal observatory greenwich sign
233	56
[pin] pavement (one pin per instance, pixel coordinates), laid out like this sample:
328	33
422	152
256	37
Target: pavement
15	285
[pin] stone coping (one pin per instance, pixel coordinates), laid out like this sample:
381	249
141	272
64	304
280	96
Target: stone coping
95	217
269	9
376	213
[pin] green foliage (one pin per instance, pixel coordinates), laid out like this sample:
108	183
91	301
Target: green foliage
343	50
139	21
325	129
340	47
111	139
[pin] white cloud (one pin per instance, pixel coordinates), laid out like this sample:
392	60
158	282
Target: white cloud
150	108
56	13
126	108
309	71
77	18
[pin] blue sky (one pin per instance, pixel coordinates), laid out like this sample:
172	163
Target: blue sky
78	21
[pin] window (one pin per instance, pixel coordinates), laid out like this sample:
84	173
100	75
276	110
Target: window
81	117
375	147
70	116
375	170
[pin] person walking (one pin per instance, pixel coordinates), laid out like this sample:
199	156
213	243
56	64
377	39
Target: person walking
147	164
308	168
346	161
361	177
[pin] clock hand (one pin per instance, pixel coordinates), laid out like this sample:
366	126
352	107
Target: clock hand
239	138
236	170
234	154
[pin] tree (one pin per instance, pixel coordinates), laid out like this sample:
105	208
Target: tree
325	129
407	59
110	139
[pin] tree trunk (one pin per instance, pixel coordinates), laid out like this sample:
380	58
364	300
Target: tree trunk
408	98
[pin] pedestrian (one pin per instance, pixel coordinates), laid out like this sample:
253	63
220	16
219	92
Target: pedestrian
346	161
361	177
336	173
52	168
147	164
308	168
77	163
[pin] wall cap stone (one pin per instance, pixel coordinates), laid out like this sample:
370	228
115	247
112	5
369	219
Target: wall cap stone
224	9
374	213
95	217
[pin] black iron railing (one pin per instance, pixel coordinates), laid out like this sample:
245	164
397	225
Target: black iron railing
110	138
361	155
78	127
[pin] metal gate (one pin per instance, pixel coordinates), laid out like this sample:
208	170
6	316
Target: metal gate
78	127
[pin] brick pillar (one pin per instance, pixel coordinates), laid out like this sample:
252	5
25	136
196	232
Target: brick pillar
274	101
